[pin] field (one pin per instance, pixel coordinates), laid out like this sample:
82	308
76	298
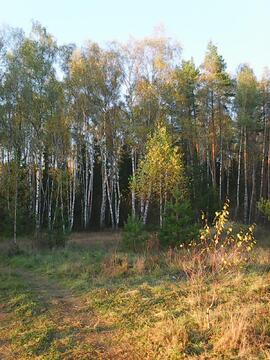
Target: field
91	300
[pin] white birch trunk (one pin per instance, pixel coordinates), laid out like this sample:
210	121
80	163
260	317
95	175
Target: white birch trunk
38	195
103	199
220	170
245	178
15	210
238	175
263	158
50	206
133	196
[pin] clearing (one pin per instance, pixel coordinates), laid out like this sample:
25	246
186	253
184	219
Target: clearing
93	301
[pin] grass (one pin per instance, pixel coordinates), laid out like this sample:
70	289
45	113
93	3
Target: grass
92	301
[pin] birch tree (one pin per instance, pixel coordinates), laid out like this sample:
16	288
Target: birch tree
160	172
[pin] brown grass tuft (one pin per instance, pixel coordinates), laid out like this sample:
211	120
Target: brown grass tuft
115	265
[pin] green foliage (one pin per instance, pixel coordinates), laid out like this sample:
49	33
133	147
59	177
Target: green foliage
247	97
64	138
161	170
134	235
14	192
179	224
264	207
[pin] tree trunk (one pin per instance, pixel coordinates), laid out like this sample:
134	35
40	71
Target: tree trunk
245	178
62	206
146	207
133	196
109	197
38	196
15	209
228	179
252	197
103	201
160	206
117	198
220	170
239	174
263	157
213	145
50	200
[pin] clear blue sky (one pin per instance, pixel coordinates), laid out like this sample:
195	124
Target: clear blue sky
240	28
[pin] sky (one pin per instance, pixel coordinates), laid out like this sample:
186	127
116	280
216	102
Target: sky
240	28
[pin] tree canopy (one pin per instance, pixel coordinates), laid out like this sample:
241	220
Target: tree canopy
77	123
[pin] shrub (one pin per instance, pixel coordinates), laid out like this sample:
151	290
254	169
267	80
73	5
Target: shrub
179	224
134	235
264	207
220	246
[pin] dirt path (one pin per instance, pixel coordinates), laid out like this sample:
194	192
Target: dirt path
70	312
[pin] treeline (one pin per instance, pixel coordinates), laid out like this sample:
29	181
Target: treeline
74	124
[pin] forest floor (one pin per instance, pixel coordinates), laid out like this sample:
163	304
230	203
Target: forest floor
91	300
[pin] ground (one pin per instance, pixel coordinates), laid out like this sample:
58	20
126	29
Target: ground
92	300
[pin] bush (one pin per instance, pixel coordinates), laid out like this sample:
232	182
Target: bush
220	246
134	235
179	224
264	207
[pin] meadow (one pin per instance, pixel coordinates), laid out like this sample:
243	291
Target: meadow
93	300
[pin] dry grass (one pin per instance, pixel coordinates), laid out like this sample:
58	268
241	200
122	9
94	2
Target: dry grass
115	265
100	239
152	306
139	265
